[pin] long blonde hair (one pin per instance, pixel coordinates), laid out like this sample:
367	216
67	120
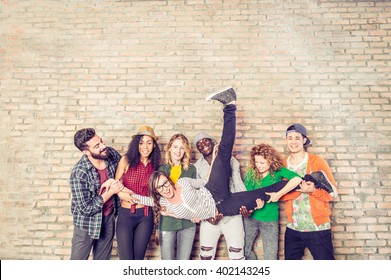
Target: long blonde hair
185	161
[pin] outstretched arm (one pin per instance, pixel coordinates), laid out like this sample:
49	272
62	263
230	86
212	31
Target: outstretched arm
127	195
143	200
292	183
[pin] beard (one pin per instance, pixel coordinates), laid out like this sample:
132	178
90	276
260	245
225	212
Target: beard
102	155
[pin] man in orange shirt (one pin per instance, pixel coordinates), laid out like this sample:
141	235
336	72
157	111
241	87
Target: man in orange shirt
308	210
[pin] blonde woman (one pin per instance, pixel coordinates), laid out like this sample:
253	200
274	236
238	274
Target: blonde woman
177	233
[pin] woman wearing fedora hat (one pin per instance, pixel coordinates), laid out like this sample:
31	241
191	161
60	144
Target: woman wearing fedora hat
135	221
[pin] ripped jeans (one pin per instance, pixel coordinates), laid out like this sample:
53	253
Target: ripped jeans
233	233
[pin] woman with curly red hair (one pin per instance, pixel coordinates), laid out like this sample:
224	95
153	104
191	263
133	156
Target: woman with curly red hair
265	168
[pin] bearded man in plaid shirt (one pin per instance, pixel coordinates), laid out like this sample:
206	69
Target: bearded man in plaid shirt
94	197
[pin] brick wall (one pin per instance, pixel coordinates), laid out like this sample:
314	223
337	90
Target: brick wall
114	65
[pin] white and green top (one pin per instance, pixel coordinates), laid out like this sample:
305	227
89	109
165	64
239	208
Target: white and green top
301	218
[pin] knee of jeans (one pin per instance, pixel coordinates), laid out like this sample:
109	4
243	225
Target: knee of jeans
235	249
236	253
205	253
206	248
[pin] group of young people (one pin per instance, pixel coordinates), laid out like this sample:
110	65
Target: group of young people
175	195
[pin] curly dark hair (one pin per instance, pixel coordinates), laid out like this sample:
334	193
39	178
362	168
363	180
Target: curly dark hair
82	136
270	154
133	154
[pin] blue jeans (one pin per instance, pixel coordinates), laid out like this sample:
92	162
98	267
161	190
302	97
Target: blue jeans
182	240
269	233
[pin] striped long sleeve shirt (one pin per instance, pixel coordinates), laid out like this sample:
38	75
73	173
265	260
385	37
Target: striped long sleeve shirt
197	201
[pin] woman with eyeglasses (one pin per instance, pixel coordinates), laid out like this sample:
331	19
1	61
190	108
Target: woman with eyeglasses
135	221
177	235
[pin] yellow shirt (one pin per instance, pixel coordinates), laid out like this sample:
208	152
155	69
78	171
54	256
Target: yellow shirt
175	173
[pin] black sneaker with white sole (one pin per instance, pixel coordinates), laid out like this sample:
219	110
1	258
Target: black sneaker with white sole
225	95
320	180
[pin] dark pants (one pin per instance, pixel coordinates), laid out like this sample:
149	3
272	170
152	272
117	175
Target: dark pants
133	233
318	242
218	184
231	205
82	243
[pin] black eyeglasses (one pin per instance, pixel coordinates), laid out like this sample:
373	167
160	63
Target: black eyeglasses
166	185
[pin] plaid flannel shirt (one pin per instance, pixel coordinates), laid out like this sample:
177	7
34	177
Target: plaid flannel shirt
87	204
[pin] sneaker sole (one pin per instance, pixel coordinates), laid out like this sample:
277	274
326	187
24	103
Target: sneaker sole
209	97
327	179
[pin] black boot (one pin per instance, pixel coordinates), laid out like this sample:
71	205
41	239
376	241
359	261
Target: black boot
321	181
225	95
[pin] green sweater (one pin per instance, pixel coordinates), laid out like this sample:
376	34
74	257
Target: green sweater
269	212
170	223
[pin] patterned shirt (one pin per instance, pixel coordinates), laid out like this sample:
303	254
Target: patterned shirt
87	204
136	179
302	219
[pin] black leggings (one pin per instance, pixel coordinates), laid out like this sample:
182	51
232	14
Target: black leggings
231	205
133	233
218	183
228	203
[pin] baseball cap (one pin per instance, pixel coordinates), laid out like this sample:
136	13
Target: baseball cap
296	127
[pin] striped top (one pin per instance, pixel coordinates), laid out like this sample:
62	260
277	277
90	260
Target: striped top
197	201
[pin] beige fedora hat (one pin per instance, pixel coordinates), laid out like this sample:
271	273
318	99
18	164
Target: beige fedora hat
146	130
